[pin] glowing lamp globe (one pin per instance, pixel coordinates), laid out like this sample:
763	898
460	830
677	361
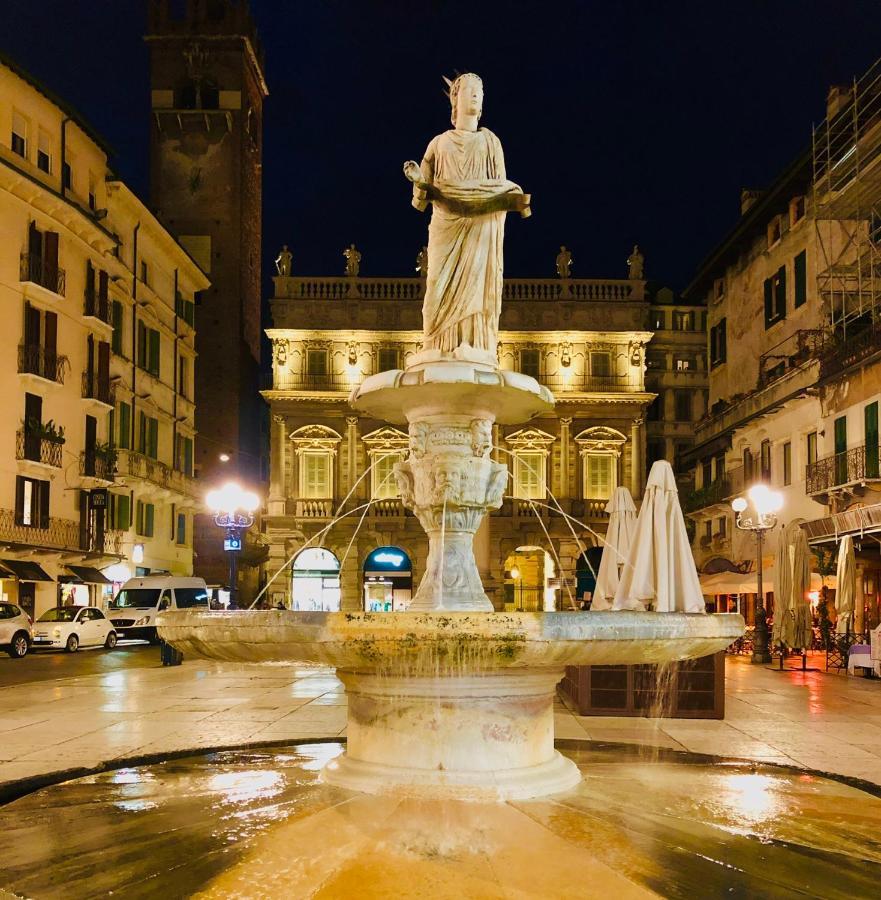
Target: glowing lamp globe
738	504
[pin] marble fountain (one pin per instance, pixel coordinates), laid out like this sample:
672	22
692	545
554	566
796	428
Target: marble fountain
450	784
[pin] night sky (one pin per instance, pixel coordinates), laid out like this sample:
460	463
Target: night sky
626	121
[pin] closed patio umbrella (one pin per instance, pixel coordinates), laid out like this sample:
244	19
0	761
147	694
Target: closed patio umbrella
622	521
792	605
803	635
784	617
660	572
845	578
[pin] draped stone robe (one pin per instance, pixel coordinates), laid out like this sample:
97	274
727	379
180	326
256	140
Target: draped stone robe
465	174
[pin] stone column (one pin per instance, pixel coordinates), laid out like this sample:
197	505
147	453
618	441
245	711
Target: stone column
351	453
277	447
563	481
637	458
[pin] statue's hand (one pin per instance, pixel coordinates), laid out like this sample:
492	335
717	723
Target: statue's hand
413	171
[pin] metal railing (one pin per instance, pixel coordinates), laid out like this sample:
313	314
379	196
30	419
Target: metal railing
591	383
35	448
718	491
514	289
42	272
862	341
42	362
95	465
61	534
95	388
800	347
852	466
327	382
138	465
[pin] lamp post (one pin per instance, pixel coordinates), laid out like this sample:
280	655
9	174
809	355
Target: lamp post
233	509
762	516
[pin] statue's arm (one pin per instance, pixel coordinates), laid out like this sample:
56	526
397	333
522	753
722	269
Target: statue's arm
422	177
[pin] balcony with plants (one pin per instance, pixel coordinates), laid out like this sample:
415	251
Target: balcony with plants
40	442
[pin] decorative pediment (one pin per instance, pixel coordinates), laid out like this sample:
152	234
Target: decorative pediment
530	439
600	439
385	440
315	437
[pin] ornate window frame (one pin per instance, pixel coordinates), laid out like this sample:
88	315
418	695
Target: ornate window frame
315	440
383	443
599	442
530	443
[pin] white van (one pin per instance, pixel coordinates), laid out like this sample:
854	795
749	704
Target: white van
134	609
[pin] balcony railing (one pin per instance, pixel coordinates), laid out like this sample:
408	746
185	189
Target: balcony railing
138	465
862	341
718	491
60	534
95	388
388	508
797	349
96	306
36	360
606	384
328	382
95	465
38	449
859	464
530	290
42	272
313	509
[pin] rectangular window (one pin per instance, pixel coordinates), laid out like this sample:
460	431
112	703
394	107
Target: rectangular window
870	421
765	460
811	448
600	476
148	349
183	376
707	472
184	455
145	518
683	321
66	176
120	512
683	406
116	321
31	502
656	359
530	362
145	272
787	463
316	362
656	408
19	141
93	192
388	359
44	152
600	363
796	209
684	364
124	433
721	526
529	475
718	343
775	297
800	272
181	536
385	485
747	464
148	436
316	478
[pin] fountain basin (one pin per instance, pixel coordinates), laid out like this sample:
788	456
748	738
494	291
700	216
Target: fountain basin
450	704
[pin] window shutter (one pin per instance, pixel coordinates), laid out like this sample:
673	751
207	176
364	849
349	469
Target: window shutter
35	244
50	260
780	298
43	493
102	294
800	269
31	325
153	437
148	520
153	366
50	341
90	287
142	433
125	424
723	340
124	512
142	345
116	321
104	364
769	301
19	500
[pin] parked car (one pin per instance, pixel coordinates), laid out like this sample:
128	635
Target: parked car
72	627
16	633
134	609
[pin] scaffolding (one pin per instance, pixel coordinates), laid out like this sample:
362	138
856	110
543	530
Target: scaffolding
847	206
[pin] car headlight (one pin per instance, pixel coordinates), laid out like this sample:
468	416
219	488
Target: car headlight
144	620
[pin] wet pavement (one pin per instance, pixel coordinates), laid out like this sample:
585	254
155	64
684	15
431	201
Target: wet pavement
260	824
46	665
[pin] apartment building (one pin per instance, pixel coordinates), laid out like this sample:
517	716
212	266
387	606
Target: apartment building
96	367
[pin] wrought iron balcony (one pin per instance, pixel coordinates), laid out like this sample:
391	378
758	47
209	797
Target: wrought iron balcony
96	306
95	388
43	272
58	534
42	362
99	466
138	465
326	382
718	491
852	467
31	446
800	347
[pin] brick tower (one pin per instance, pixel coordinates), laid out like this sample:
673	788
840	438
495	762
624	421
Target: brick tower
207	89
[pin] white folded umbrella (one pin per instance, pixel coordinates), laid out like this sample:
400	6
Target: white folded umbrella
622	522
660	572
845	578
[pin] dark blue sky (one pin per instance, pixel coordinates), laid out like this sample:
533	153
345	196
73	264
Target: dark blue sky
626	121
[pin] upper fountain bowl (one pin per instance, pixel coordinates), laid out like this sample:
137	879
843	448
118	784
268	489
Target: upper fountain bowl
438	643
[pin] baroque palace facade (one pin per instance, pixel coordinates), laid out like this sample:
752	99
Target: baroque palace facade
96	368
585	339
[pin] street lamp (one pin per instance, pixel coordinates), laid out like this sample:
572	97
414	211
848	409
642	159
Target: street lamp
765	505
233	509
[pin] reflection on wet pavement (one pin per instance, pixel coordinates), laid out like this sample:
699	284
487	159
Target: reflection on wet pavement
260	823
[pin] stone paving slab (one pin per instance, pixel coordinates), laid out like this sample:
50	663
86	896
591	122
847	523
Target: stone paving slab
814	720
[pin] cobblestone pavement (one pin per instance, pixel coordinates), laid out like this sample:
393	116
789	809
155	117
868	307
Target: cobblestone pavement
819	721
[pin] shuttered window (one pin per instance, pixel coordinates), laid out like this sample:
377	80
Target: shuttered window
316	479
385	485
529	475
800	272
599	476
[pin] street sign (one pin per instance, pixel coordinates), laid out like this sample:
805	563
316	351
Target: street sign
232	543
98	498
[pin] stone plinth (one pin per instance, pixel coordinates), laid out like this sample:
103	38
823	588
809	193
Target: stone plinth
449	479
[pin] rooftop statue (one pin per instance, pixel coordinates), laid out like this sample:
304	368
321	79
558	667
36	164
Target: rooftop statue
636	264
463	176
353	261
564	263
283	261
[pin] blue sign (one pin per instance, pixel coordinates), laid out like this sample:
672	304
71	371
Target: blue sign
387	559
232	543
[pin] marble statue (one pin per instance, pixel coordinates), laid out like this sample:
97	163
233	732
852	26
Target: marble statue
636	264
463	176
283	261
422	262
564	263
353	261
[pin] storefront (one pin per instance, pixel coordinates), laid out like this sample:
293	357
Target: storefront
84	586
388	580
315	581
19	585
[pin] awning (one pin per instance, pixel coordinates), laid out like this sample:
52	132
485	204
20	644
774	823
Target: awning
88	575
856	521
24	570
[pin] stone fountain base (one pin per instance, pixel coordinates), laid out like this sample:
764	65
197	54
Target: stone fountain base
475	737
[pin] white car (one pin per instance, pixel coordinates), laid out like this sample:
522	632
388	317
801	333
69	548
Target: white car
15	630
72	627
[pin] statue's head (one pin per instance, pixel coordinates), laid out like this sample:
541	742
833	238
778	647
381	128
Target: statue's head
466	95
